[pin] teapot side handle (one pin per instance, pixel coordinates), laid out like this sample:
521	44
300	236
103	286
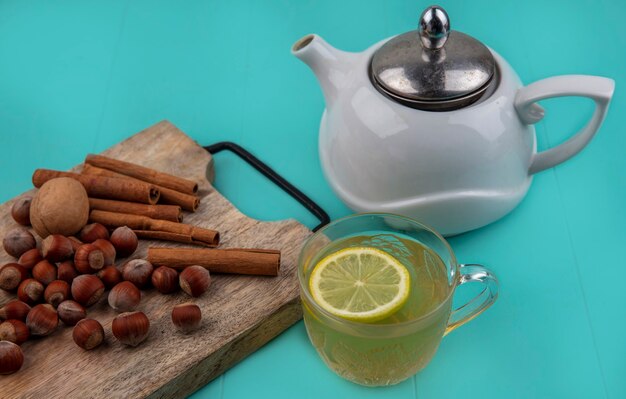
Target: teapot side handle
599	89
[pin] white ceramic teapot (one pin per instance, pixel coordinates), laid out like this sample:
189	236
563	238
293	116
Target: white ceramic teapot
434	125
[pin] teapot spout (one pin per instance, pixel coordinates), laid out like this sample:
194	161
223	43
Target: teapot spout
330	66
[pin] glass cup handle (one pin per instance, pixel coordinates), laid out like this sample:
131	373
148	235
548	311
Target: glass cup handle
477	305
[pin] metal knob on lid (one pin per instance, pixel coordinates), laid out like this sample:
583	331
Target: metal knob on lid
434	27
434	68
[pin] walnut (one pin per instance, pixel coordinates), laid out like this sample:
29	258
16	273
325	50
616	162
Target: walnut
61	206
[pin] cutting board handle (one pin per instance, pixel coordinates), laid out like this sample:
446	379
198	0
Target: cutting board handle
277	179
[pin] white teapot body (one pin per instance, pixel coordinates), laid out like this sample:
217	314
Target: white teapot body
455	170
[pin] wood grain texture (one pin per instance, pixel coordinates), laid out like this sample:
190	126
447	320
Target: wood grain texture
240	313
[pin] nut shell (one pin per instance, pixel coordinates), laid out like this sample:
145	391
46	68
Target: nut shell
138	272
61	206
87	289
11	357
131	328
124	240
42	320
107	249
88	259
110	276
93	232
88	334
71	312
45	272
30	258
15	309
165	280
195	280
187	317
56	248
56	292
66	271
14	331
11	275
17	241
30	291
124	297
76	243
21	210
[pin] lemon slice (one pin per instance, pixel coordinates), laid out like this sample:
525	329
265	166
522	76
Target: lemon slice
360	283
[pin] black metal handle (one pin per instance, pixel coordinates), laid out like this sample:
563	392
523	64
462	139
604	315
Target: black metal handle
277	179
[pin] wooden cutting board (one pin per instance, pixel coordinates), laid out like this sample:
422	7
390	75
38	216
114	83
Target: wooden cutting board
240	313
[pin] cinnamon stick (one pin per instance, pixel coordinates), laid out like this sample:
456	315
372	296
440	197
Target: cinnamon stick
104	187
239	261
168	196
173	213
190	234
168	236
143	173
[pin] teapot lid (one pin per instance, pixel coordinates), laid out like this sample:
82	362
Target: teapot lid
433	68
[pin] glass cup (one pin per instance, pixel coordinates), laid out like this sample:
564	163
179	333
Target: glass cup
392	350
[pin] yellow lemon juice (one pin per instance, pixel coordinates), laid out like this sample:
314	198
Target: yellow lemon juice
412	307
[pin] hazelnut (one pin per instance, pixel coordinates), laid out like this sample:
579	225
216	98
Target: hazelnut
56	292
88	259
110	276
107	249
21	210
14	331
92	232
42	320
87	289
187	317
76	243
124	240
131	328
11	275
30	258
195	280
124	297
138	272
165	280
18	241
11	357
88	334
56	248
61	206
66	271
30	291
16	310
45	272
71	312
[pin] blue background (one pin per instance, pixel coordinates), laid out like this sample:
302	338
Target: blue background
79	76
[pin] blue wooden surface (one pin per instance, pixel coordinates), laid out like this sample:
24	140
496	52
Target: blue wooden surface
79	76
